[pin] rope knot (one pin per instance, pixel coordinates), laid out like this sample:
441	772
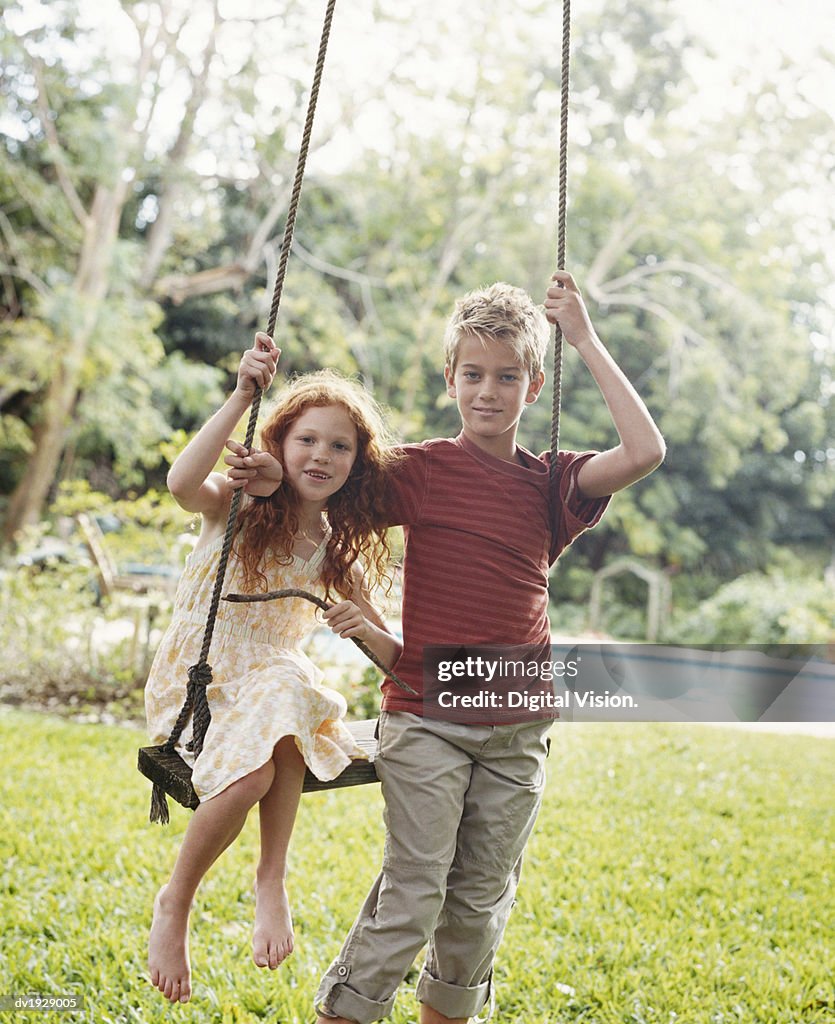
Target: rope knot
199	677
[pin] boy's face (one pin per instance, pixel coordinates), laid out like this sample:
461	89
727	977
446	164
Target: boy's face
491	389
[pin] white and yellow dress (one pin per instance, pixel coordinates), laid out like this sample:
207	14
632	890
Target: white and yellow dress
263	686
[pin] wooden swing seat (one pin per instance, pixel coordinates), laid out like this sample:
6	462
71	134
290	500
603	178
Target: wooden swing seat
167	769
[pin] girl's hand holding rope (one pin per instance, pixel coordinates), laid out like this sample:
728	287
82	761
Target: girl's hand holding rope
254	472
257	367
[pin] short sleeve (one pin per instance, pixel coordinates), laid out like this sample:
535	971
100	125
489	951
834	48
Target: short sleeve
407	486
571	513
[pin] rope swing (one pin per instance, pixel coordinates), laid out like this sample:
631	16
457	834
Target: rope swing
561	207
200	675
162	765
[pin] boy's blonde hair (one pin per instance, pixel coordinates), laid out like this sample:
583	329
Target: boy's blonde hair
501	313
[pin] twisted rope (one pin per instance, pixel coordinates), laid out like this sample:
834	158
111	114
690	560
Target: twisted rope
561	206
273	317
273	595
200	675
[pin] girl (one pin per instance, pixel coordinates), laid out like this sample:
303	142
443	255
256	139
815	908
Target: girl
308	513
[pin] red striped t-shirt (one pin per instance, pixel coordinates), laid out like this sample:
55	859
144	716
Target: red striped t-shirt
480	536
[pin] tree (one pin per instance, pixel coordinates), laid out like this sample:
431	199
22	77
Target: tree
689	234
84	138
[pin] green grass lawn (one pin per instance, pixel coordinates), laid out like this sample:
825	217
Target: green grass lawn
677	874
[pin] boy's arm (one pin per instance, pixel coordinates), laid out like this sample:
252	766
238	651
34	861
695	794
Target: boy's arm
191	480
641	448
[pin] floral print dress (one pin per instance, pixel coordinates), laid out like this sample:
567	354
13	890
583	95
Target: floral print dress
263	686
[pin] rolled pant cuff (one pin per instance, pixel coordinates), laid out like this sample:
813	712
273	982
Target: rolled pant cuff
336	999
452	1000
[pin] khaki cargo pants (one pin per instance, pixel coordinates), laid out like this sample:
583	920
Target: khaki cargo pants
461	801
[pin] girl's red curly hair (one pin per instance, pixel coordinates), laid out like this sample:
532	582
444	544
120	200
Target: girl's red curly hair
268	527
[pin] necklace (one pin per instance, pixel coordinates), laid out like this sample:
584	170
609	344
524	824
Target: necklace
315	541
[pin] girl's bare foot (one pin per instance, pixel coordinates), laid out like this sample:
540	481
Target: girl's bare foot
168	961
272	940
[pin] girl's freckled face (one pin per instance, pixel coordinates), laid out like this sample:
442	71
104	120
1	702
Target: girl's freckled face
319	452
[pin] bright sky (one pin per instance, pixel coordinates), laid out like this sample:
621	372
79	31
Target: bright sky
749	40
733	26
753	39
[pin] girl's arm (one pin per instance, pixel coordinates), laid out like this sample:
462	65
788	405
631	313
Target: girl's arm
359	618
641	448
191	479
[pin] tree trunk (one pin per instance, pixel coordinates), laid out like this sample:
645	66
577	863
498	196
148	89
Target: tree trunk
49	438
91	284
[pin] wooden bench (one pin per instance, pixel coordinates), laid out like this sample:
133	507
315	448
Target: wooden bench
138	596
168	770
110	580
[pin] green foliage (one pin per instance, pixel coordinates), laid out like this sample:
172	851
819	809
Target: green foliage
64	650
21	369
763	608
23	372
150	526
206	330
568	619
15	443
314	331
69	646
47	618
183	390
657	885
704	270
364	694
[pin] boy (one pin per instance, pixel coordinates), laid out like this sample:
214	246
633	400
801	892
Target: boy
461	799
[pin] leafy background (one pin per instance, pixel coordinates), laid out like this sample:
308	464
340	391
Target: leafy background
146	155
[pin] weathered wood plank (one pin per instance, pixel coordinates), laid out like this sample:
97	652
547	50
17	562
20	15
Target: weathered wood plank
170	771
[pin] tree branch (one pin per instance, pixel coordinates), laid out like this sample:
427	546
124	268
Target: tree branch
317	263
54	147
40	286
624	232
18	269
656	308
365	284
179	287
33	204
670	266
161	231
260	236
